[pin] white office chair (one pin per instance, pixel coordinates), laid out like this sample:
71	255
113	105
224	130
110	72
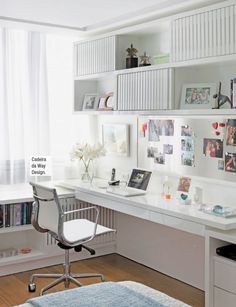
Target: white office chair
48	216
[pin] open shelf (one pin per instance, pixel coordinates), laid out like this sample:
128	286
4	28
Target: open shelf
15	228
34	254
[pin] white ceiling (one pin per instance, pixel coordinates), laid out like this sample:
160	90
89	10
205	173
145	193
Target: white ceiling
85	14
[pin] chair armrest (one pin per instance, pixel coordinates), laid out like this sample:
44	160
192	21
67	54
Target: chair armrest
63	215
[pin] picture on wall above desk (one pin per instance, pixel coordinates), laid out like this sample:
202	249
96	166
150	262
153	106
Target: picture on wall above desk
159	128
231	132
230	162
213	148
115	139
188	156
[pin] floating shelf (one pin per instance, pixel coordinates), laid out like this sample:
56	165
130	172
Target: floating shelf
16	228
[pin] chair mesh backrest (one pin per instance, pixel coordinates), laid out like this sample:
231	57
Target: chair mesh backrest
48	216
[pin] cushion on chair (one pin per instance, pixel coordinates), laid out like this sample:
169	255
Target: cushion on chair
81	229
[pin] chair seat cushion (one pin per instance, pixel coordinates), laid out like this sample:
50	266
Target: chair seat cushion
82	229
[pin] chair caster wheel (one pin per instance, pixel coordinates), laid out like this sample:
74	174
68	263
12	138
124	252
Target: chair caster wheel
32	287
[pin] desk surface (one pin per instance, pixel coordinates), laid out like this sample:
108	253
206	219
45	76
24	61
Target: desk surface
14	193
154	203
149	206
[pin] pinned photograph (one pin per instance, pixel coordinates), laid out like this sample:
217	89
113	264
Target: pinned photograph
221	165
187	158
230	162
184	184
159	128
231	132
187	144
213	148
160	158
168	149
167	127
152	152
186	131
154	130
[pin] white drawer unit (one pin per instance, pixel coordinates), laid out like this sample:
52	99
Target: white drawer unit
145	90
208	33
223	298
95	56
225	274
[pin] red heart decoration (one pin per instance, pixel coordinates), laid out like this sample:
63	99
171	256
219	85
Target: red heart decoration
221	125
217	132
215	125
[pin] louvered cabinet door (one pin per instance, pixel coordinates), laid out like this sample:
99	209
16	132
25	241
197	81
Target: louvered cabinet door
145	90
95	56
205	34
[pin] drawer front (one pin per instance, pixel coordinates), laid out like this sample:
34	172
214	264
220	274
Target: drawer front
206	34
95	56
145	90
225	275
223	298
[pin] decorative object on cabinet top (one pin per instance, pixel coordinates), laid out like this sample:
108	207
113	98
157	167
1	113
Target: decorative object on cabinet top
145	60
131	59
222	100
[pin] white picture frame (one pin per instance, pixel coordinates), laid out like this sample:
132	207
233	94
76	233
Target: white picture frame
197	96
90	102
115	139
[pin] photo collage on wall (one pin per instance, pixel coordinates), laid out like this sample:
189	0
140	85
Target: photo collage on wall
187	146
230	157
214	147
159	143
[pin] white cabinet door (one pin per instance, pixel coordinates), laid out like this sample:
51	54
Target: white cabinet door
95	56
208	33
145	90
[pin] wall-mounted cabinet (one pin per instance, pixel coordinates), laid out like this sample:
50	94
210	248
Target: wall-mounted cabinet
194	40
210	32
145	90
95	56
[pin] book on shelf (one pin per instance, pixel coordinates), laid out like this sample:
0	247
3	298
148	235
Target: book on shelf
16	214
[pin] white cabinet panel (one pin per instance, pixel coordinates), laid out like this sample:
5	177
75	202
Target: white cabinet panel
225	274
95	56
224	298
145	90
205	34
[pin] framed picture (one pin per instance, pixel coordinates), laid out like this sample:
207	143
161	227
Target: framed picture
198	96
106	102
115	139
90	102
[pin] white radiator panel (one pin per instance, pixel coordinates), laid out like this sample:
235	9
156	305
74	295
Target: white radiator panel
145	90
206	34
95	56
106	218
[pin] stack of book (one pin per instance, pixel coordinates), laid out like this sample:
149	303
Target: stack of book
15	214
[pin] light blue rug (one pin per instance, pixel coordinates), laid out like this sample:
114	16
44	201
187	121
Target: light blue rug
107	294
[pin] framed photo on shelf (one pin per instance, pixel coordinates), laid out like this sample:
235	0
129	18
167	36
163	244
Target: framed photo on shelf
90	102
197	96
106	102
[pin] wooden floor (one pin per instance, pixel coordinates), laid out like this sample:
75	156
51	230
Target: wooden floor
14	288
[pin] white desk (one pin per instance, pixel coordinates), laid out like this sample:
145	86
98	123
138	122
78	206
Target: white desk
215	231
151	207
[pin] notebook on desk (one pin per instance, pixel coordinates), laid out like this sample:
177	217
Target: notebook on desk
137	185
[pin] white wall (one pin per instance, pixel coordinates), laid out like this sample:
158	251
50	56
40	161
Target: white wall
66	127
